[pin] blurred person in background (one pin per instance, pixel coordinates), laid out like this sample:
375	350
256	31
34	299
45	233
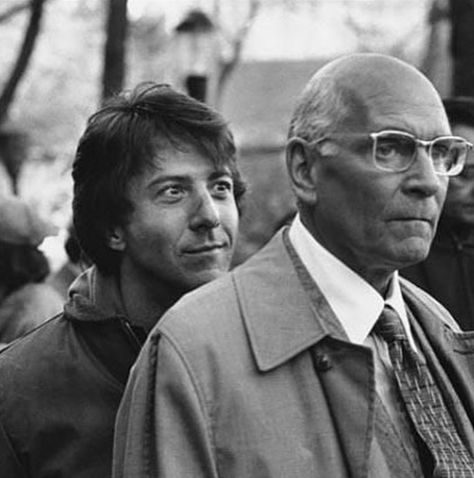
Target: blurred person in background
156	210
25	299
448	271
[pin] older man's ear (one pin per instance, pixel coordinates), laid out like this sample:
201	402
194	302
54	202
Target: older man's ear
301	164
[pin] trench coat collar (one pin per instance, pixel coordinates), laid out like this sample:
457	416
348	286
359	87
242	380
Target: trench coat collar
284	311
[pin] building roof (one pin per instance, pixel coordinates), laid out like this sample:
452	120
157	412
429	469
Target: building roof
260	98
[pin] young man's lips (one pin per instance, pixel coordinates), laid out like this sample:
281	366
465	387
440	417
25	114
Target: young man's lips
413	218
204	248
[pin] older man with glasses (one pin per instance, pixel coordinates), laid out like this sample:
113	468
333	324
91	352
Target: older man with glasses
315	358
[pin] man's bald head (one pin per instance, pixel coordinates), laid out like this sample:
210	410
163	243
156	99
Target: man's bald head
350	91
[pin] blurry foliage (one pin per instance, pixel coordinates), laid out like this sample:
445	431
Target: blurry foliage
61	85
376	26
24	53
59	90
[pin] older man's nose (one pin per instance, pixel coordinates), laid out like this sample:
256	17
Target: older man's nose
422	177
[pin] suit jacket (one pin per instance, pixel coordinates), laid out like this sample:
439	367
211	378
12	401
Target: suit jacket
251	375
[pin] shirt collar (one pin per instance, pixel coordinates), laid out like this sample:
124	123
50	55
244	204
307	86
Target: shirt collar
354	301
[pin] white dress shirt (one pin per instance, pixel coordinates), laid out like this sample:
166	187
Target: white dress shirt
355	302
357	305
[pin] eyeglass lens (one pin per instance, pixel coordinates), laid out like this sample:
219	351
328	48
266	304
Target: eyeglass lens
396	152
447	154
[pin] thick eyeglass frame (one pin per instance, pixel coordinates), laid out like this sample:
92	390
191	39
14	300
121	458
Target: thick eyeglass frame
427	145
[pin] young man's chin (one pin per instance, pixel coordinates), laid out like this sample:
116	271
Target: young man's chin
196	279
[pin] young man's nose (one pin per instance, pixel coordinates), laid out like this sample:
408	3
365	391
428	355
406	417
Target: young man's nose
206	213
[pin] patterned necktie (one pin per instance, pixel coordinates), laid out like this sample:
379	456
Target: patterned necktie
424	402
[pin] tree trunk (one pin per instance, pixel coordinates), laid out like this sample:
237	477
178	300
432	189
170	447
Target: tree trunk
19	68
115	48
462	46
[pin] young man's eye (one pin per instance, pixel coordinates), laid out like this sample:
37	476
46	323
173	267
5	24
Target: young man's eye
223	187
172	192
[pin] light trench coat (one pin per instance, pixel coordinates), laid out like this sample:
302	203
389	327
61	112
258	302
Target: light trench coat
250	376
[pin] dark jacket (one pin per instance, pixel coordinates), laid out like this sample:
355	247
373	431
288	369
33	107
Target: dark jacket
448	275
60	387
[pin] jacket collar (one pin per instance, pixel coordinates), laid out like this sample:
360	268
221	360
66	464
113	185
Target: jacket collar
95	301
283	309
94	296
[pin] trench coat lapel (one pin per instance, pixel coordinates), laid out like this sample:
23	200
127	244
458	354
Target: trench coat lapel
279	317
283	319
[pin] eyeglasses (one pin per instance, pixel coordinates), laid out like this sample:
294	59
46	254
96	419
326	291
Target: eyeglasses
395	151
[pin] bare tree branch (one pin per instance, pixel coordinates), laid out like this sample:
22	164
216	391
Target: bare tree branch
228	67
19	68
13	10
403	43
364	34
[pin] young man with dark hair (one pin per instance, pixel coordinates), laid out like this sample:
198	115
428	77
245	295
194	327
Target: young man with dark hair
156	205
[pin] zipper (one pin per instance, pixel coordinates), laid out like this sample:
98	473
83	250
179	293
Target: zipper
131	334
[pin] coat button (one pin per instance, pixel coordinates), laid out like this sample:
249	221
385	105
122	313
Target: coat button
322	362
